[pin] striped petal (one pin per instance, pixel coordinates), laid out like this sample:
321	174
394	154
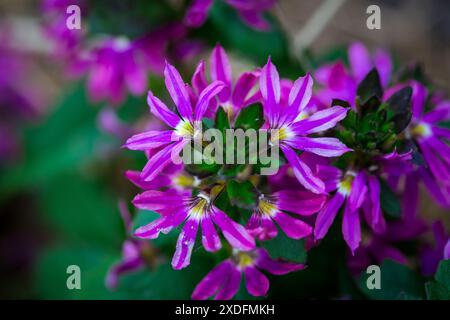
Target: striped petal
300	202
256	283
185	244
205	97
351	228
160	110
177	90
235	234
293	228
269	82
150	140
327	214
210	238
325	147
320	121
302	172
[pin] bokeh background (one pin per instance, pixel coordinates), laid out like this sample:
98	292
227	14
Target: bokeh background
62	181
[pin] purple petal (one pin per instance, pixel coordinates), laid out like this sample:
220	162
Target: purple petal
185	244
325	147
256	283
269	82
156	200
383	63
135	178
359	60
177	90
220	70
358	192
326	216
231	284
377	220
302	172
300	202
351	228
213	281
301	93
199	82
261	227
441	132
255	20
205	97
320	121
242	89
197	13
135	75
120	268
164	224
149	140
447	250
161	159
293	228
276	267
159	109
433	187
235	234
436	165
210	238
411	196
418	98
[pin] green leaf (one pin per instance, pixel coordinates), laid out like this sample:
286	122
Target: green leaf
389	201
66	140
221	122
241	194
165	283
82	210
283	247
397	282
250	117
399	110
370	87
51	272
440	288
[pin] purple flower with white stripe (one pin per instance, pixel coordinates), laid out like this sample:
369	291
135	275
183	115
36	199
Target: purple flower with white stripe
292	132
276	208
185	125
195	211
250	11
237	96
359	191
224	280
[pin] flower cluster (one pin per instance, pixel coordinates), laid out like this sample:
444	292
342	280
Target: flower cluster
351	143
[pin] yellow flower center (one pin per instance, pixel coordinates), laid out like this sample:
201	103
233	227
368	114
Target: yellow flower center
346	185
422	130
266	207
280	134
185	129
184	181
244	260
199	206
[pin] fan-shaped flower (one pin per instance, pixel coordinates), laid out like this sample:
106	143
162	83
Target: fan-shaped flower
224	280
196	211
291	133
271	208
185	126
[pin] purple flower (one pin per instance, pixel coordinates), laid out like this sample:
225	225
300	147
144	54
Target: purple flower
250	11
431	256
176	208
340	83
224	280
185	126
132	249
271	208
236	96
358	190
292	131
